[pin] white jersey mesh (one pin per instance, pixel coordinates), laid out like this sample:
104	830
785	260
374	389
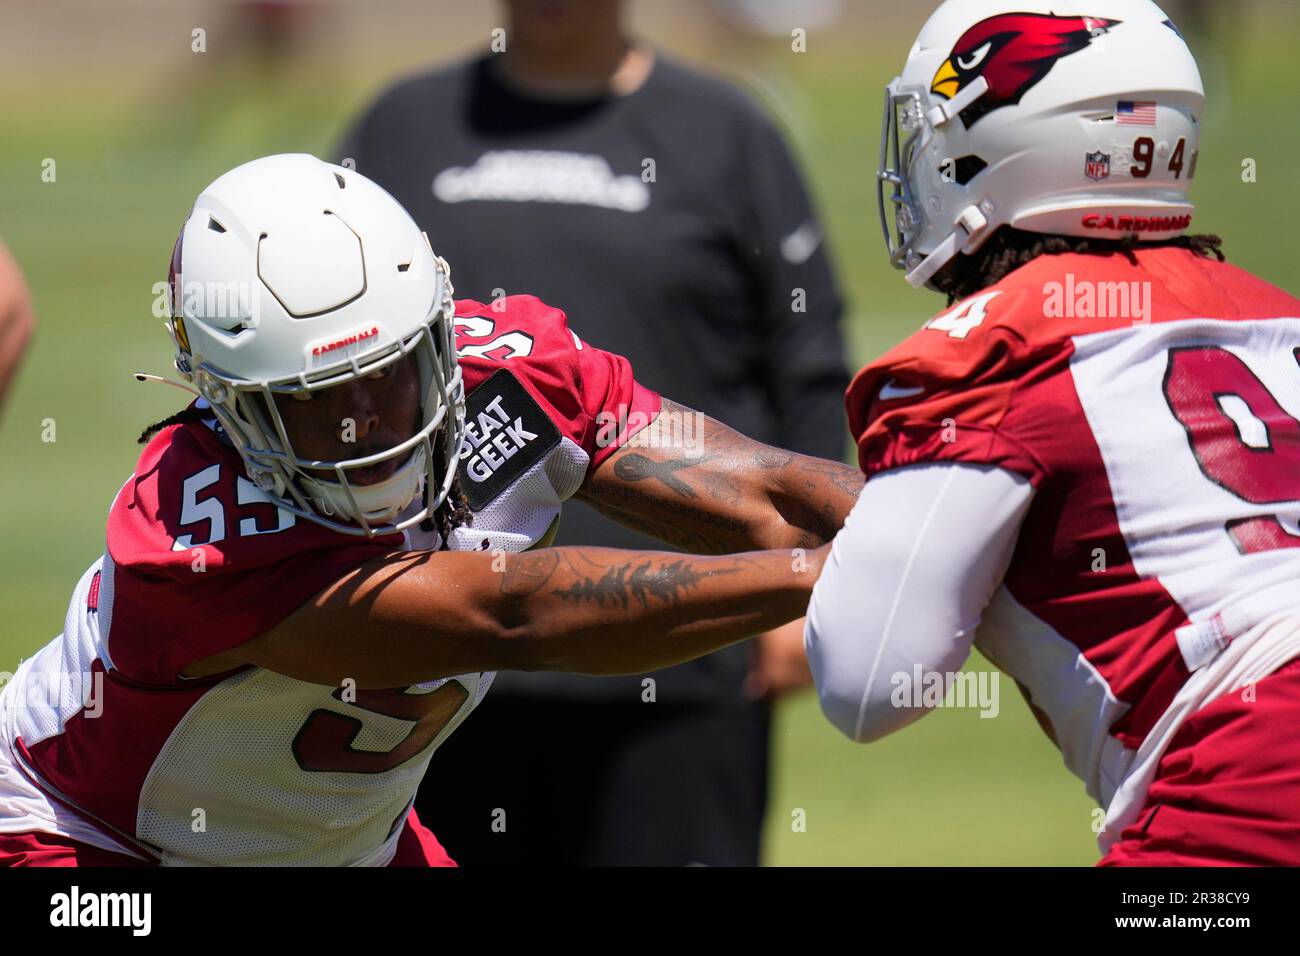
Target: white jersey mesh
226	787
56	682
521	515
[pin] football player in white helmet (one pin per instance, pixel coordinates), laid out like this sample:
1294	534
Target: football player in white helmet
274	311
1088	466
314	569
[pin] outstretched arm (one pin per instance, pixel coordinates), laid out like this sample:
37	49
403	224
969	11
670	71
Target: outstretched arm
695	483
409	617
905	586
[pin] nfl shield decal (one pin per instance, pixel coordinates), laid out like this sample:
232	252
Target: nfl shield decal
1097	166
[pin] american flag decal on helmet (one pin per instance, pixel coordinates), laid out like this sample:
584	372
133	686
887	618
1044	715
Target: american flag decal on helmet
1135	113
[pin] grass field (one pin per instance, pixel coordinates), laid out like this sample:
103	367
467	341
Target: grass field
134	144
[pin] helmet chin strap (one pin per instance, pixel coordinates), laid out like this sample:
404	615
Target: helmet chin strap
969	223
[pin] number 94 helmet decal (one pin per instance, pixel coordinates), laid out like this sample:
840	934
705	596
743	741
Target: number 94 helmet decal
1009	113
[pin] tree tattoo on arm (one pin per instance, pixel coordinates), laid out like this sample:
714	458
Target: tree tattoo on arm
642	581
577	579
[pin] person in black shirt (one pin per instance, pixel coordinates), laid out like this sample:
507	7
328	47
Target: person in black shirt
660	209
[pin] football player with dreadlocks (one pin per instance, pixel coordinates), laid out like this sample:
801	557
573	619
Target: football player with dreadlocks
1088	466
315	567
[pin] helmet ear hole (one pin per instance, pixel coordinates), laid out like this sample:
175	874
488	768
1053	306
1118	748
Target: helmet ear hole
967	168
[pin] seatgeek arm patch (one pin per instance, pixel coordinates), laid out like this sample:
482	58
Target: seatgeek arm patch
506	433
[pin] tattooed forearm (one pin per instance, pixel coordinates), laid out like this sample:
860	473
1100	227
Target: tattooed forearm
638	467
526	573
689	525
772	459
844	477
675	533
703	481
606	611
724	493
620	584
813	522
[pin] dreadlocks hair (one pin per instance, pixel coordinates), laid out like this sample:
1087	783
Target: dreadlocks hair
454	512
190	413
1008	249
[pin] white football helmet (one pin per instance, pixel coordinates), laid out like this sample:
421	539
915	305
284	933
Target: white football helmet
293	275
1070	117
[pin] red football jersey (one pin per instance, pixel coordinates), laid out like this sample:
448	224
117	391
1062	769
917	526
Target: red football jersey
1155	408
199	560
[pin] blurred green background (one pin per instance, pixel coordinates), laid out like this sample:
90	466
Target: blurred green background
136	123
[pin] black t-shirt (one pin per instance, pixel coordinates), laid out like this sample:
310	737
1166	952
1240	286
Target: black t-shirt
671	225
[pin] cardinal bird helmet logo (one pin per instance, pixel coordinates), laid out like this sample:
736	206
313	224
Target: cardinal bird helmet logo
1013	52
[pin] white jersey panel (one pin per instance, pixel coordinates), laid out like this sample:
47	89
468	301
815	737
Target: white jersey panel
1175	517
233	763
